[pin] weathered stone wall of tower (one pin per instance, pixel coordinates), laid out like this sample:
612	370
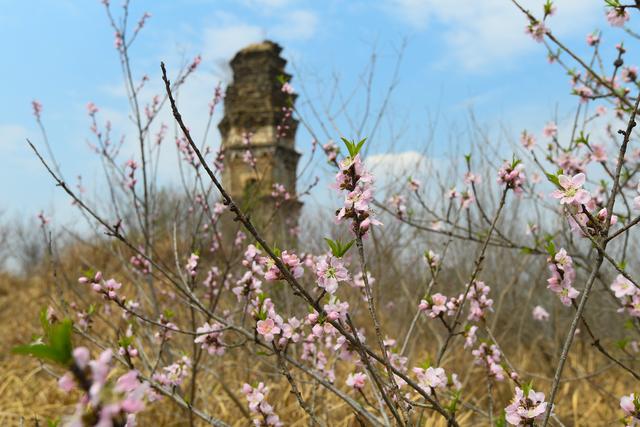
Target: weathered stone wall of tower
254	108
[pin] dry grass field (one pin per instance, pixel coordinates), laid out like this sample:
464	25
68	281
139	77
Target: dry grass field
29	393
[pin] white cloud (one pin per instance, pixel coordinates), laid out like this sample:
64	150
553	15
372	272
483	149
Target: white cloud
391	170
11	137
296	25
269	4
482	33
224	42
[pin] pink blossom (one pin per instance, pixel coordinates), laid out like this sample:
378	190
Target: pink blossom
329	272
287	88
267	328
479	302
414	184
572	192
356	380
66	382
43	219
174	374
81	357
629	74
431	379
470	336
631	406
336	309
192	265
512	176
537	31
210	337
127	382
471	178
527	140
357	183
562	276
622	287
593	38
584	93
490	356
432	259
434	305
263	412
37	108
92	109
550	130
599	153
398	203
539	313
290	260
617	17
467	198
524	410
118	42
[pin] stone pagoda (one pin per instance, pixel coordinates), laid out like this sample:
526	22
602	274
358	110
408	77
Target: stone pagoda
258	137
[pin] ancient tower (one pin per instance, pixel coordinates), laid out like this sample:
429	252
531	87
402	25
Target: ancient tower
258	137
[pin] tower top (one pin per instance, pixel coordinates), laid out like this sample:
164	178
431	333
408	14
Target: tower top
264	46
255	100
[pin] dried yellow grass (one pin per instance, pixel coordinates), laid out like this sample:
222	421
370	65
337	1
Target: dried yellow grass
28	391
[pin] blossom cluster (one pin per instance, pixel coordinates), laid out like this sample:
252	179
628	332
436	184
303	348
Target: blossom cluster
562	277
210	338
263	413
628	295
631	406
290	260
109	404
358	185
174	374
512	176
525	407
490	357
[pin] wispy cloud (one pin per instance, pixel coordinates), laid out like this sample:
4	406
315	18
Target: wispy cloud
298	24
486	34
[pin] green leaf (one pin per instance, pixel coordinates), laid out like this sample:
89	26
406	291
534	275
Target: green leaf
352	146
551	248
553	179
582	139
60	339
628	324
44	322
426	364
454	399
332	245
622	344
57	347
339	249
346	247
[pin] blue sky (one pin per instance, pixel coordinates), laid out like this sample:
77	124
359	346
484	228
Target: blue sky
460	54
